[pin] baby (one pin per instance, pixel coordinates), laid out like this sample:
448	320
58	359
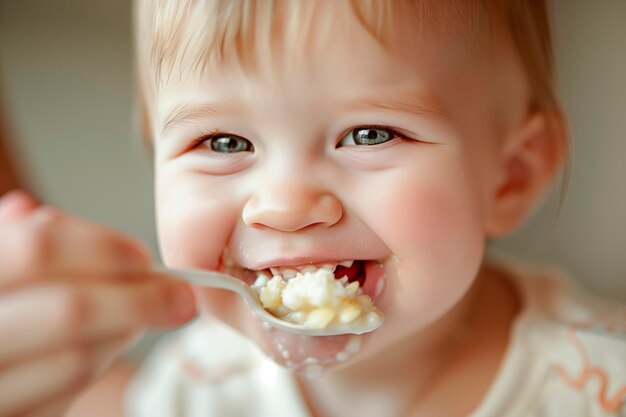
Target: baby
385	141
396	135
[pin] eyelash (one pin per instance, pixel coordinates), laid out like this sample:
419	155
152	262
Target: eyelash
206	136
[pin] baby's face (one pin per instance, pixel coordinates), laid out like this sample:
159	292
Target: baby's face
334	149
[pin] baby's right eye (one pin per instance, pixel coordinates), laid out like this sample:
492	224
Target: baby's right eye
228	144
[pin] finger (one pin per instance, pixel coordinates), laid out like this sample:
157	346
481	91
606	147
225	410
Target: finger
38	319
82	245
15	204
50	241
55	408
70	370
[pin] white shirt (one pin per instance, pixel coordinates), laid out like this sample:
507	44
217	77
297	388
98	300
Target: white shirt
566	358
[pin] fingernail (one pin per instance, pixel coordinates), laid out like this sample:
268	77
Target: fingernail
182	302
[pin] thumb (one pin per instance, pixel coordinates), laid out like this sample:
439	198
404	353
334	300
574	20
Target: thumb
16	204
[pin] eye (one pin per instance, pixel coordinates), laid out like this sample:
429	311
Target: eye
228	144
368	136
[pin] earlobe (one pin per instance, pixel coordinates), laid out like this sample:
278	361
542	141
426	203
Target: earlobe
530	160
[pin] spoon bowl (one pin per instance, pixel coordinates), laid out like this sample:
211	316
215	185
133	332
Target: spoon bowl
202	278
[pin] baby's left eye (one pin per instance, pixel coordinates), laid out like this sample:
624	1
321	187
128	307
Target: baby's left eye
367	136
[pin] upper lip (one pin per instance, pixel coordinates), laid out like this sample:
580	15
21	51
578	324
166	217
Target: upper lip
296	261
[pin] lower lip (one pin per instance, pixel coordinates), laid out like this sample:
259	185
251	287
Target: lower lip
307	353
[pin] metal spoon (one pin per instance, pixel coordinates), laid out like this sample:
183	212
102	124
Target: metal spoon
202	278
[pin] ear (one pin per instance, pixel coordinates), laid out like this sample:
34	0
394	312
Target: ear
530	160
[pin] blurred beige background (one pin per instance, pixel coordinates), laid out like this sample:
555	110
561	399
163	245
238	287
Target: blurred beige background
67	78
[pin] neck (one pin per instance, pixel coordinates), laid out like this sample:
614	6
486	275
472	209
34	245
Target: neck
389	384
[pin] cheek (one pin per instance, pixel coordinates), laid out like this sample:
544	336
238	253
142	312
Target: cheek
194	226
433	227
194	223
440	245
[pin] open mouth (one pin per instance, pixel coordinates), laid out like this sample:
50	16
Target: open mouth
367	273
332	295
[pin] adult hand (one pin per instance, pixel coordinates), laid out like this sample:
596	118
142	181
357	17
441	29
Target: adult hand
72	296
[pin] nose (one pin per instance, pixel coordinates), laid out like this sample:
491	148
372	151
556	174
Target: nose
290	209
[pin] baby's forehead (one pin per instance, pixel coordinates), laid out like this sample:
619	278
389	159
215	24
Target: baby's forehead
354	73
187	38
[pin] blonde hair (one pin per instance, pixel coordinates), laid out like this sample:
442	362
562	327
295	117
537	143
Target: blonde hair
186	34
183	36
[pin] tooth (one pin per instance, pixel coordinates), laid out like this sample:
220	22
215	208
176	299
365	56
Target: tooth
343	280
347	264
263	273
353	287
289	273
329	267
275	271
261	281
308	268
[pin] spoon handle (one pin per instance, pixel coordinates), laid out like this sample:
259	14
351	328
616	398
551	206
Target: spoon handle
204	278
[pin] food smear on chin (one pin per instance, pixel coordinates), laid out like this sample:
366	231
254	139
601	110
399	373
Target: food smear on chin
317	300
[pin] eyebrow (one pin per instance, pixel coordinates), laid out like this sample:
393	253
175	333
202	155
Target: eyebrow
421	103
187	112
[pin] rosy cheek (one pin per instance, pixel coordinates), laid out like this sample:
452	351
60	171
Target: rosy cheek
194	227
439	227
193	223
448	244
437	239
